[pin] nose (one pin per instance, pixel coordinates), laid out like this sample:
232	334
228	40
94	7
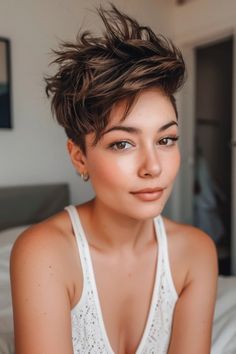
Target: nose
150	164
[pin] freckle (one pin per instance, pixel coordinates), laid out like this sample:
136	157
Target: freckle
50	266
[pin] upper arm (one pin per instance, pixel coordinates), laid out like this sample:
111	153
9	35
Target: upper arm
194	311
41	306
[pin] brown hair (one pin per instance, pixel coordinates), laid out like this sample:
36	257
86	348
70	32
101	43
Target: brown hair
96	72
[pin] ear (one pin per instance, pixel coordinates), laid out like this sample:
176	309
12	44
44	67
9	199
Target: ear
77	157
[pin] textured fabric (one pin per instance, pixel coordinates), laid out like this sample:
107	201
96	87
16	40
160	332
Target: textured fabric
30	204
88	330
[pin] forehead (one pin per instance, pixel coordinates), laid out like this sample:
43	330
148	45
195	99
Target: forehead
150	105
151	109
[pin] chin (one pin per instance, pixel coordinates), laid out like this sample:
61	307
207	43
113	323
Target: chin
144	212
150	214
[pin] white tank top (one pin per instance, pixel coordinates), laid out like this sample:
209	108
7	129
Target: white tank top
88	329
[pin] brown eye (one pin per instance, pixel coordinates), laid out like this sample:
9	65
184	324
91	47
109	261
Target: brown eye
164	141
120	145
168	141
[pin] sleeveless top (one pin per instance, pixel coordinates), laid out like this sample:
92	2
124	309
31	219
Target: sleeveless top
88	329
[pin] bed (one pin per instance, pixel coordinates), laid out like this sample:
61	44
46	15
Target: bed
22	206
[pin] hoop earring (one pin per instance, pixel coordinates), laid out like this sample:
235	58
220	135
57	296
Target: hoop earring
85	176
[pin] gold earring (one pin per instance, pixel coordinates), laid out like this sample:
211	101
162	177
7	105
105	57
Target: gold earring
85	176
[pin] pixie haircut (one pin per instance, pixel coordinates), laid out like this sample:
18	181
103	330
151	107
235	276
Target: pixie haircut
96	72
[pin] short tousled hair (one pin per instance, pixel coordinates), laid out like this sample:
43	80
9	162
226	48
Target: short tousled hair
96	72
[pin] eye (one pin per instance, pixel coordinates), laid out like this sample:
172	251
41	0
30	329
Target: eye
169	140
119	145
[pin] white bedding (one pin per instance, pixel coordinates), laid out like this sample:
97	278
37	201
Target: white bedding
224	327
7	239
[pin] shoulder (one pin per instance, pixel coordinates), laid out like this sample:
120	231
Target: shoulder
188	236
43	237
196	253
44	248
42	268
193	249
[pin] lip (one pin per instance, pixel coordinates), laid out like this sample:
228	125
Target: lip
149	194
148	190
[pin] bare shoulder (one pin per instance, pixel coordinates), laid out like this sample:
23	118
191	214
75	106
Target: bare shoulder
42	268
189	236
193	252
46	247
195	257
43	237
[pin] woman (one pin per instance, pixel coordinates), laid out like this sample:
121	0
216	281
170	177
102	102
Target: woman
112	275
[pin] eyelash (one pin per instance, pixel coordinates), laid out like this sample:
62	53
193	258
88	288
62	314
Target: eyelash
172	138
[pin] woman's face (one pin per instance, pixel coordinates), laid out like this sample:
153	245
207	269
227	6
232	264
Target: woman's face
138	153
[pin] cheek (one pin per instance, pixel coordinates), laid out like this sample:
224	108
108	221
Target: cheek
172	165
108	170
178	160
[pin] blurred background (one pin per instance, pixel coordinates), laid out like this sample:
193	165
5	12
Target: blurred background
33	146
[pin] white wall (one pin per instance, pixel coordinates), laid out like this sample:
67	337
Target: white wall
201	17
34	150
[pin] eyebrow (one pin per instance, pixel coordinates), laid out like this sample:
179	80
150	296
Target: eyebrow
137	130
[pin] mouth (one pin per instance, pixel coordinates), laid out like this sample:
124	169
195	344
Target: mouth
148	190
149	194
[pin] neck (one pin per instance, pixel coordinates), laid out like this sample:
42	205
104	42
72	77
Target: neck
112	231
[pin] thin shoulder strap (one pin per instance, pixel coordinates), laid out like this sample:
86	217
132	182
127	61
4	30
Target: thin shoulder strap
165	253
73	214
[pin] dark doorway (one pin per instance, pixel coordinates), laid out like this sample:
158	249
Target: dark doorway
213	134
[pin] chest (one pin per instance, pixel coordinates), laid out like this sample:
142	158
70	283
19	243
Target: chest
125	290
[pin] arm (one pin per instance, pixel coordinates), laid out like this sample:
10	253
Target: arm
41	306
193	316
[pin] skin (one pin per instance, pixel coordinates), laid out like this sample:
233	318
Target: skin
46	272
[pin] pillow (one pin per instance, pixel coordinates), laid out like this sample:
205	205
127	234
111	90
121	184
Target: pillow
7	239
